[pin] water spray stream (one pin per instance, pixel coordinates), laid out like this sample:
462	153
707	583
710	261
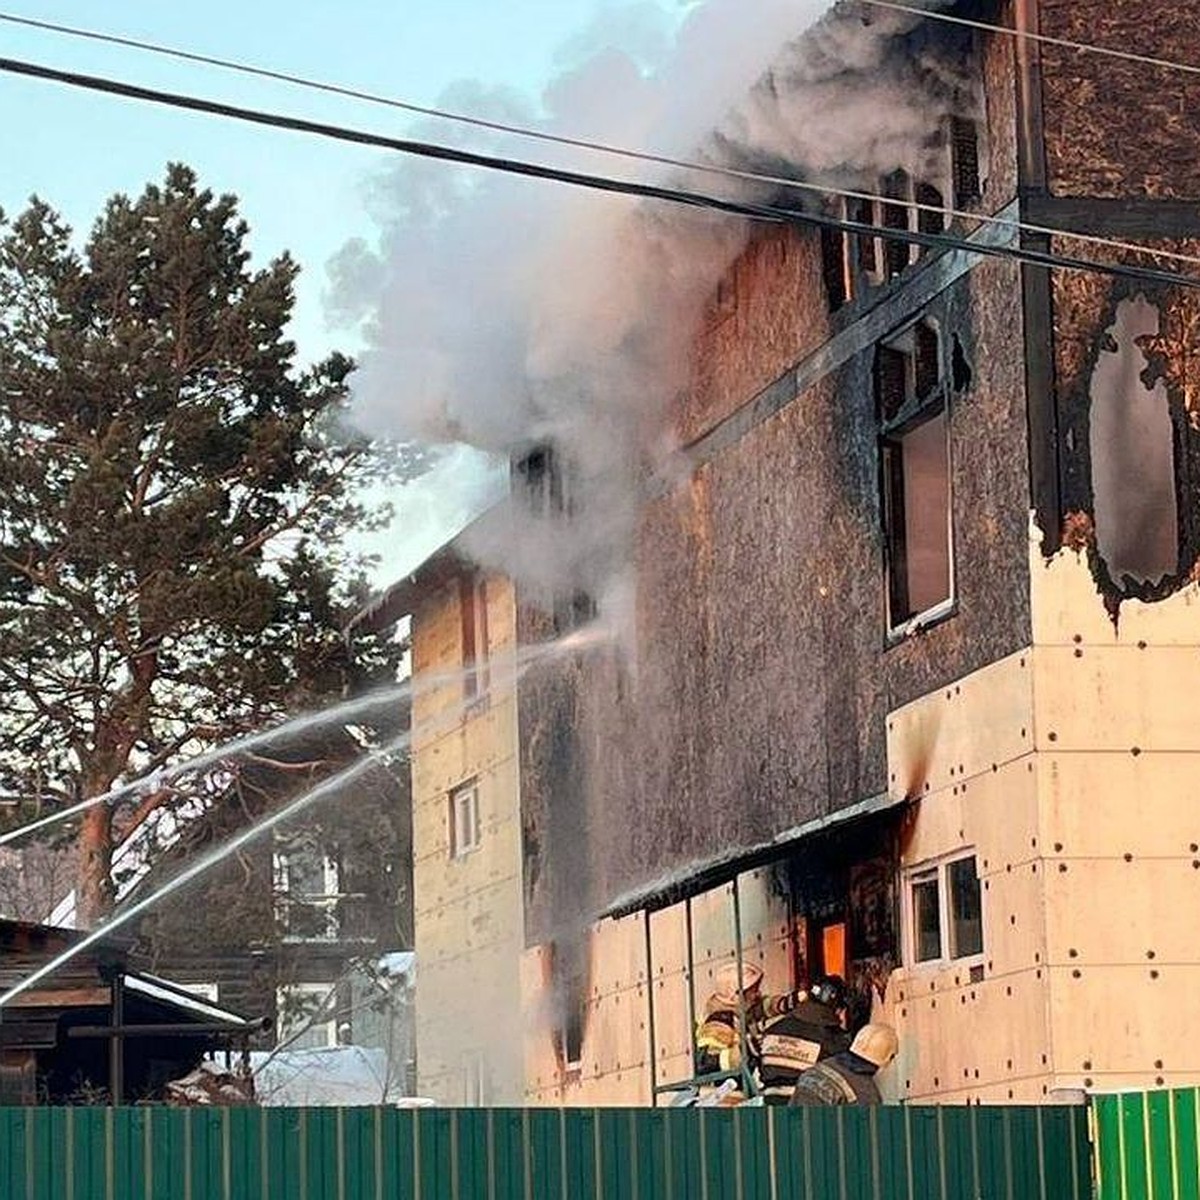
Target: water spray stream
524	658
292	727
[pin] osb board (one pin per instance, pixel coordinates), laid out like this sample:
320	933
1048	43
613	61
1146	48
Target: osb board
617	955
1113	127
1120	1021
1120	803
774	314
469	921
981	721
497	808
971	1036
1014	918
1150	923
457	749
1118	698
439	880
996	813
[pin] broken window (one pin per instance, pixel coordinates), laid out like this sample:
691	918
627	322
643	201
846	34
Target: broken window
569	980
1133	454
910	402
466	831
945	905
963	136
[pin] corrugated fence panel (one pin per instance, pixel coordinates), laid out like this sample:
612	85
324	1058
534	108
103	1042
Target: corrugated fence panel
1147	1147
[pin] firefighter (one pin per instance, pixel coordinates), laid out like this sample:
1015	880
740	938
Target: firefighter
849	1077
718	1045
808	1032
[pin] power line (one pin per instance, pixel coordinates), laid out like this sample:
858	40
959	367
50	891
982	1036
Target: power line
532	170
594	146
1145	60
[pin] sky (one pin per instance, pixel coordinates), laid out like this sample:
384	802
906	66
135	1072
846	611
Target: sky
307	195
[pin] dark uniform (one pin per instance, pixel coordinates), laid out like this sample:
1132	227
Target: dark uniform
843	1079
790	1044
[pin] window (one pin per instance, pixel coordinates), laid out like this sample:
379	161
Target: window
833	268
465	830
307	892
476	651
306	1016
946	911
910	401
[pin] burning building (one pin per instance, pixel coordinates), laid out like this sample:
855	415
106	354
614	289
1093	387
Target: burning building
905	624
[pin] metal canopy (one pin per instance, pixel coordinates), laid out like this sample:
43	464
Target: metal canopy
698	877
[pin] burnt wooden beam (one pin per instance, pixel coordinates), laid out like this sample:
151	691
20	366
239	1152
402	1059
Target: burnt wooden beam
1134	218
176	1029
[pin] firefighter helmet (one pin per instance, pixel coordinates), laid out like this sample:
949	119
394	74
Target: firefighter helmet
878	1044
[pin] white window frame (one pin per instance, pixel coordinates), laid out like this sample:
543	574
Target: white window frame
321	992
327	900
475	1079
939	868
462	841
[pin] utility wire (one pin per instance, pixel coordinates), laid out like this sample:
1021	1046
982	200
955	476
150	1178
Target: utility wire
599	147
601	183
1145	60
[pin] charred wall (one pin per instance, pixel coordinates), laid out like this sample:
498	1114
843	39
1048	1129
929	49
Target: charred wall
763	672
1115	128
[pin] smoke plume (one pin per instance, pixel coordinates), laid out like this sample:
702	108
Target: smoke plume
501	311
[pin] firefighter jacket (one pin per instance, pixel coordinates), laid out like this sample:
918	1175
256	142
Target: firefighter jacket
790	1044
717	1043
843	1078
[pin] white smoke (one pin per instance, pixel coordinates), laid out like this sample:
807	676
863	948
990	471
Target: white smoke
501	311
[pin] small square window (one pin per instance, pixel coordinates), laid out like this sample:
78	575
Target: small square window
466	832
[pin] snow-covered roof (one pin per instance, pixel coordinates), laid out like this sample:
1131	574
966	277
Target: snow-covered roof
170	993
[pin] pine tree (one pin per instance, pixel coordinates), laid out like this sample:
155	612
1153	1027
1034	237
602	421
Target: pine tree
174	494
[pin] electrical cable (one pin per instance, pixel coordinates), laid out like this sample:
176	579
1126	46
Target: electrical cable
593	146
1144	60
527	169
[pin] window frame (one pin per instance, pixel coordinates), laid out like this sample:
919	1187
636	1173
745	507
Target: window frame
326	902
939	869
460	848
916	409
322	992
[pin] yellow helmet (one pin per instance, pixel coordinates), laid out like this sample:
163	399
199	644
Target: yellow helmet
878	1044
727	979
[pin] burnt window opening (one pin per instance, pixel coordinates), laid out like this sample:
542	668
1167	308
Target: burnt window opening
542	482
572	610
897	252
911	403
476	652
931	217
963	136
862	212
569	980
833	268
1132	448
960	369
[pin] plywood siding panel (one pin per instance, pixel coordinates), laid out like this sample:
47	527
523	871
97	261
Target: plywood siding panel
963	730
1120	699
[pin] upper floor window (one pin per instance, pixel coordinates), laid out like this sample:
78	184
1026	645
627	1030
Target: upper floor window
945	906
911	405
473	603
466	832
307	889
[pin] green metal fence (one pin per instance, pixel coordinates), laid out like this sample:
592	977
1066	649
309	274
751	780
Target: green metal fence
973	1153
1148	1145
